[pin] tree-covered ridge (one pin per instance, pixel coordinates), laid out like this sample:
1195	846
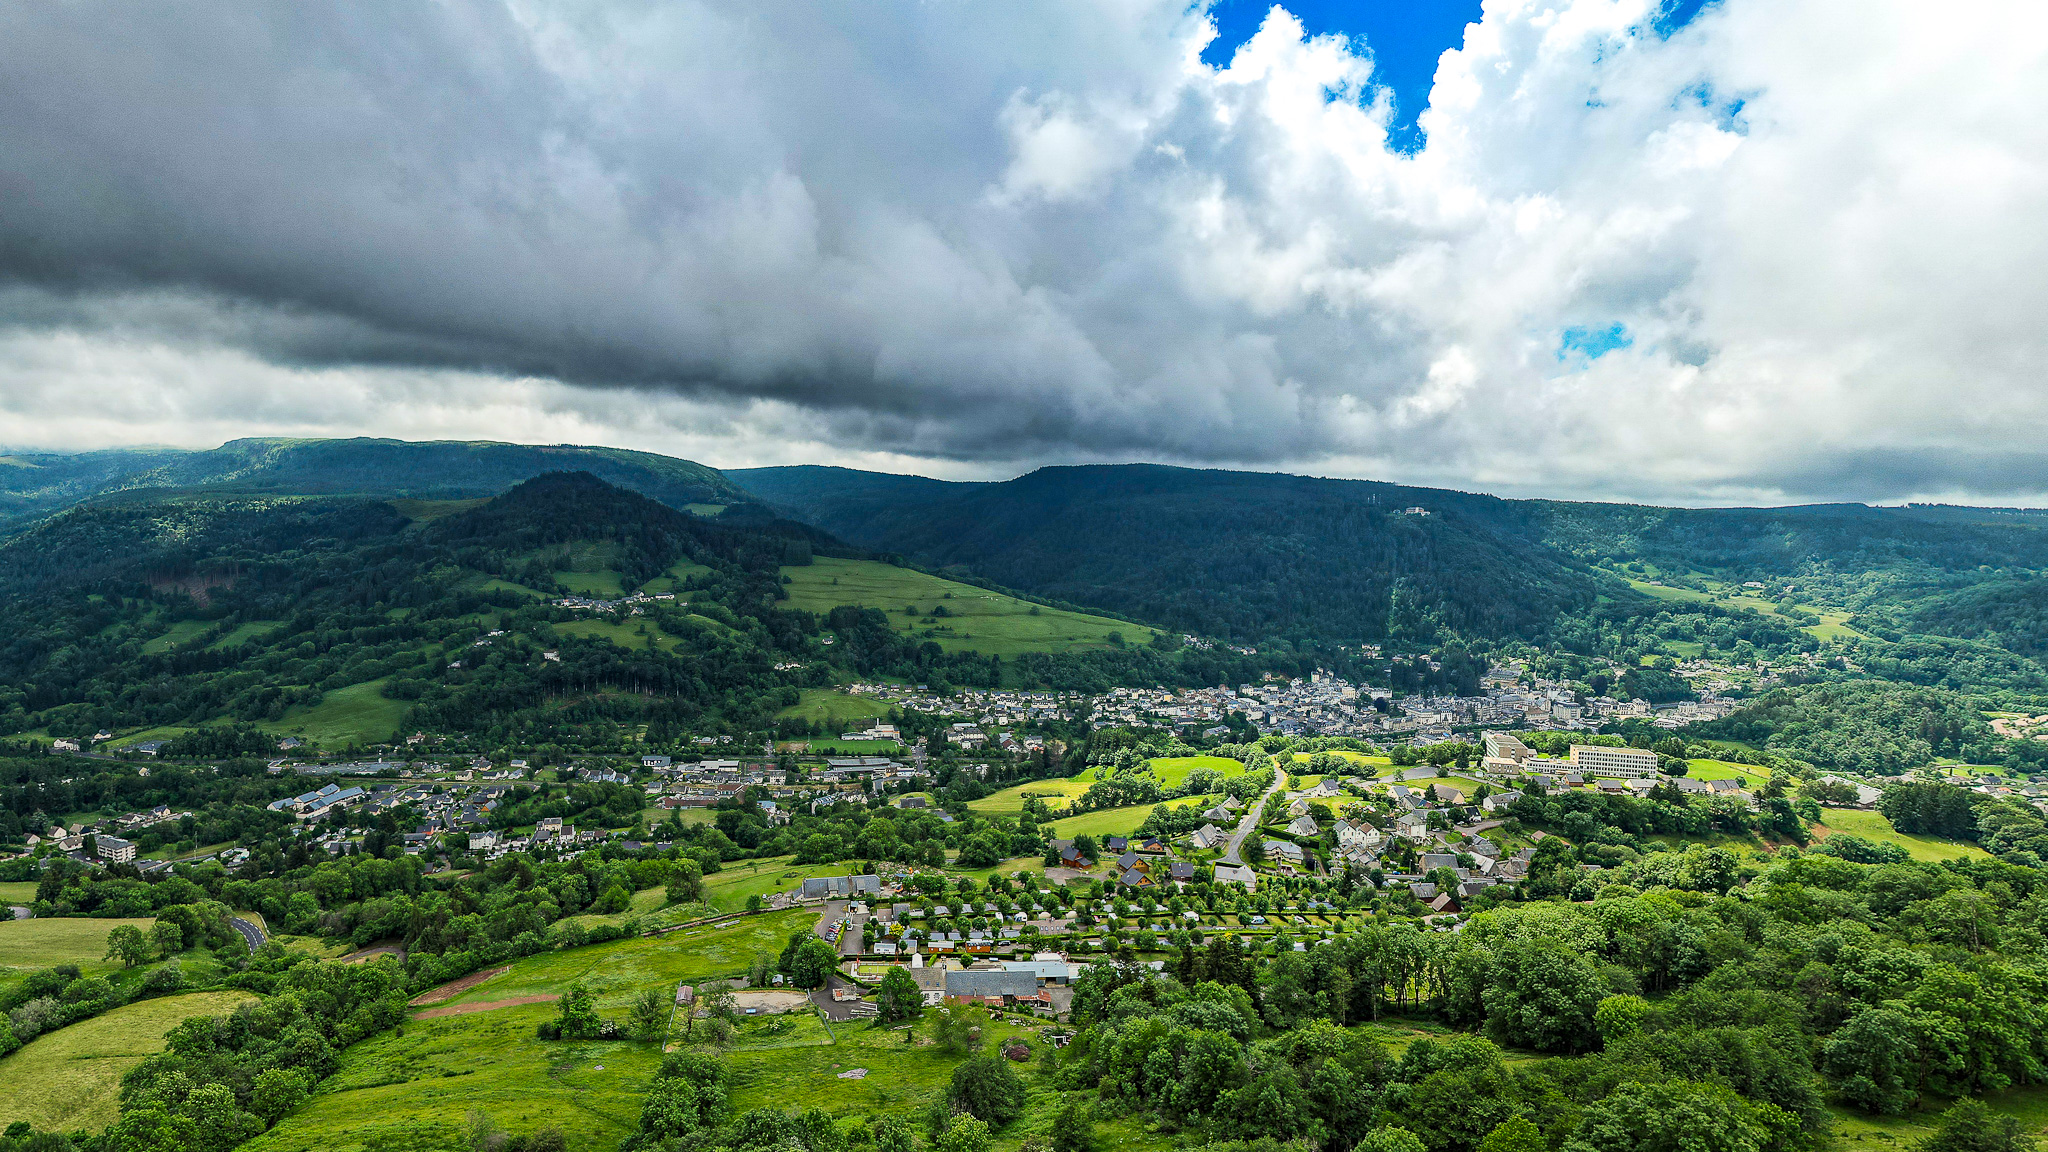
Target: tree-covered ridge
34	486
1242	555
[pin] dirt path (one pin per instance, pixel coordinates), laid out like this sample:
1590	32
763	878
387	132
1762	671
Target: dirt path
454	988
486	1006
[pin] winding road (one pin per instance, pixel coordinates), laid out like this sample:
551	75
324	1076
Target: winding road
250	932
1251	819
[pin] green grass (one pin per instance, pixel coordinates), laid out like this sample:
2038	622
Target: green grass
677	577
175	635
978	620
1725	770
245	632
1468	787
1833	622
1115	821
1366	765
728	888
1874	826
856	747
834	707
70	1079
604	583
1010	801
415	1092
704	509
357	714
18	892
628	636
497	584
31	944
420	511
617	971
1172	771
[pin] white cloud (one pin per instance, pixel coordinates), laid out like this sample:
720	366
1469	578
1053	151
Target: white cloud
969	238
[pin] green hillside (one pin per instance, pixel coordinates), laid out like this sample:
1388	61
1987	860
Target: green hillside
959	617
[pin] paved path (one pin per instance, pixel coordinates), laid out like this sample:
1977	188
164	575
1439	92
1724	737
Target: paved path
1251	819
250	932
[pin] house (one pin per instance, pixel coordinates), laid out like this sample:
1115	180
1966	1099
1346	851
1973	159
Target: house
114	850
63	745
1443	903
1499	801
1431	861
1134	878
1422	890
1206	837
1237	874
1356	837
991	985
482	841
1413	825
1285	851
1116	845
1219	815
1304	826
1181	870
654	762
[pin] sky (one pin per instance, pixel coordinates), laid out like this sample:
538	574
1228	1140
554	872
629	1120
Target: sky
1752	251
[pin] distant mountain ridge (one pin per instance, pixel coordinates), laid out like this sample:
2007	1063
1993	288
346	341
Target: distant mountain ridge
33	486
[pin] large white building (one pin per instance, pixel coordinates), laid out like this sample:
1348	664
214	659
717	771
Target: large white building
1625	763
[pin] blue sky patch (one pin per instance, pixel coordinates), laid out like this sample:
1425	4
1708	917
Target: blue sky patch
1593	343
1405	38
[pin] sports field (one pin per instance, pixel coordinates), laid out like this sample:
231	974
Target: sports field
976	619
69	1079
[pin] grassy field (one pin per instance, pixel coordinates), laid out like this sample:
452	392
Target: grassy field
1833	625
424	510
1723	770
177	634
1056	793
1367	766
617	971
635	636
727	889
1116	821
1172	771
27	945
1873	826
70	1079
831	706
678	576
18	892
244	632
977	620
416	1091
357	714
1468	787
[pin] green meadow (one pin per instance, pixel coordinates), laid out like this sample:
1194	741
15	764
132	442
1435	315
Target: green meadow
69	1079
1874	826
26	945
976	619
357	714
833	707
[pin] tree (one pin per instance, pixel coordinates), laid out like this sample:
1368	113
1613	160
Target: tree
1678	1116
966	1134
127	944
1515	1134
577	1013
987	1087
686	1101
953	1031
1970	1126
899	998
650	1015
893	1135
1542	995
686	886
1619	1017
1254	849
1875	1060
813	964
1072	1129
168	938
276	1092
1390	1139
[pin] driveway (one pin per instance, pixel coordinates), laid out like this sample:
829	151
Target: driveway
250	932
1251	819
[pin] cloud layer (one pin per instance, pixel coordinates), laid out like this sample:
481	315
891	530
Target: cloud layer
1794	250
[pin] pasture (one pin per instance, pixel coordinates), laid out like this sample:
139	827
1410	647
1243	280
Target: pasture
1873	826
1725	770
1172	771
69	1079
26	945
833	707
357	714
1116	821
1057	794
976	619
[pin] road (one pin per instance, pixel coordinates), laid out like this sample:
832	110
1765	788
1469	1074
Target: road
250	932
1251	819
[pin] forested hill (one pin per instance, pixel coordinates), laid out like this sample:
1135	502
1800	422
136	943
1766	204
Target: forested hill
1235	554
1255	556
35	485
